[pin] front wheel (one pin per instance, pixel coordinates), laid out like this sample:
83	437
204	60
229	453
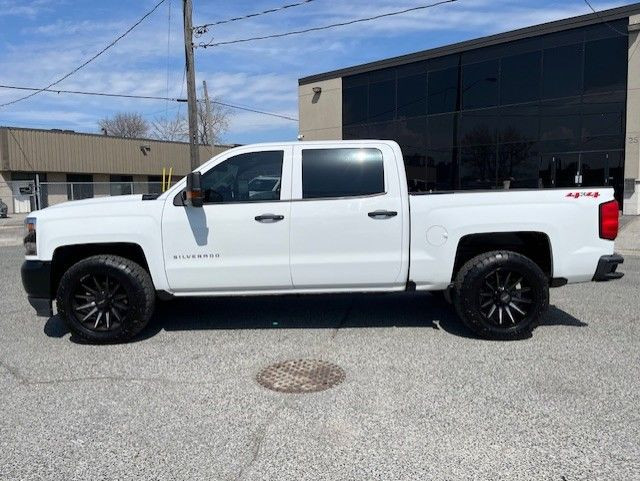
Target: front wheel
501	295
106	298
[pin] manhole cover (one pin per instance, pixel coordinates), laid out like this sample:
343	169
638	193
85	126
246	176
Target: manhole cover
301	376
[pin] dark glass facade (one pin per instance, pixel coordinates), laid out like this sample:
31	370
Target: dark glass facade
546	111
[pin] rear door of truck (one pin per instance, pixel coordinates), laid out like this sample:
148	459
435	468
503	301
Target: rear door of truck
348	217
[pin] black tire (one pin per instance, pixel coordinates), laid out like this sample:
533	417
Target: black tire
501	295
119	290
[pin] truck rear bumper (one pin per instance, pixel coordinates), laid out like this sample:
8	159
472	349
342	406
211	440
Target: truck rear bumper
606	270
36	279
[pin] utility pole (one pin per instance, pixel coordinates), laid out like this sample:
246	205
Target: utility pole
208	127
192	101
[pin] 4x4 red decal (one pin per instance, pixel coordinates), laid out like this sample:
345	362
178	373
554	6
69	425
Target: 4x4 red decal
577	195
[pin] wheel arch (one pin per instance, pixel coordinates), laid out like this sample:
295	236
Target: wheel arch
66	256
534	245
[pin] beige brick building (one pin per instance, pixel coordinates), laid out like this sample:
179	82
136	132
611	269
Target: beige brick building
71	165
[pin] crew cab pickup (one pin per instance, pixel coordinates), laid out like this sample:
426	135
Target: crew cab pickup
325	217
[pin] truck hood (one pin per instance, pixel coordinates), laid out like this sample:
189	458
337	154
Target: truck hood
99	207
98	201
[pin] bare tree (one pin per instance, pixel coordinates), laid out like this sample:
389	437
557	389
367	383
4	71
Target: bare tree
170	128
211	125
125	124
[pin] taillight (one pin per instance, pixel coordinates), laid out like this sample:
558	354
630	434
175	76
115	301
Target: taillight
609	213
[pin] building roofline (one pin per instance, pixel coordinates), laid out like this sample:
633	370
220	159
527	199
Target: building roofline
522	33
102	136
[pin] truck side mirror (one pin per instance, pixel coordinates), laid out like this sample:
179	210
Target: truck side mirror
194	196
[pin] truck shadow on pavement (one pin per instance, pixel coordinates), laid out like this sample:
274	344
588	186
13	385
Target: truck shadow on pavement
309	312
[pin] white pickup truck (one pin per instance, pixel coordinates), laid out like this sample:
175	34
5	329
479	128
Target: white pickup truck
340	220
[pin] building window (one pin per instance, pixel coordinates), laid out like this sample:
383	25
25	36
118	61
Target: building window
120	184
330	173
562	71
154	185
604	70
79	186
480	85
444	91
520	78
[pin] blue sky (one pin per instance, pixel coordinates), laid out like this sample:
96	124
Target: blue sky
44	39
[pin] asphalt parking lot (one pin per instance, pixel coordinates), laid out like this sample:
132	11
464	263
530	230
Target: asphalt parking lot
422	399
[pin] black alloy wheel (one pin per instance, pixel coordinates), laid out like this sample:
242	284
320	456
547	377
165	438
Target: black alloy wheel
505	297
100	303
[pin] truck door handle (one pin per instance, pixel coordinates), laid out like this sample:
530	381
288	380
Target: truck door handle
382	214
269	218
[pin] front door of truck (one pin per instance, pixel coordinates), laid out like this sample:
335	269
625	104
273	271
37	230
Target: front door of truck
239	239
346	218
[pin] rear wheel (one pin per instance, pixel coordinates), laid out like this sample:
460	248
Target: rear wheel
106	298
501	295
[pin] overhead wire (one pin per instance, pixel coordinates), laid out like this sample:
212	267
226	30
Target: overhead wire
201	29
87	62
147	97
325	27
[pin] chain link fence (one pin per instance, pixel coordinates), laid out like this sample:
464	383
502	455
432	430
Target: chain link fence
22	197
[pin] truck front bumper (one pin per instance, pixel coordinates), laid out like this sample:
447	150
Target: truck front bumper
36	279
606	270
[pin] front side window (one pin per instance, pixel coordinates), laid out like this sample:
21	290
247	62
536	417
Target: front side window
330	173
250	177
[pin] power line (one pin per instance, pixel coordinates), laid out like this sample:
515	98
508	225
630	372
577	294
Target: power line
201	29
168	52
87	62
606	23
146	97
97	94
326	27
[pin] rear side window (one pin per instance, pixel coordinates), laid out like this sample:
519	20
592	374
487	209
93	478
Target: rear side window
341	173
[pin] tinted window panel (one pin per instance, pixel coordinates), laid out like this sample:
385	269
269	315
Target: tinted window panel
617	28
412	137
415	163
605	65
355	132
442	130
478	167
603	125
518	166
443	87
520	78
519	123
250	177
441	173
560	121
382	101
412	96
562	72
355	80
382	131
478	127
480	85
330	173
354	105
412	133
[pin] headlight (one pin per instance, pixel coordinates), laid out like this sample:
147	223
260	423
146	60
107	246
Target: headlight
30	237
